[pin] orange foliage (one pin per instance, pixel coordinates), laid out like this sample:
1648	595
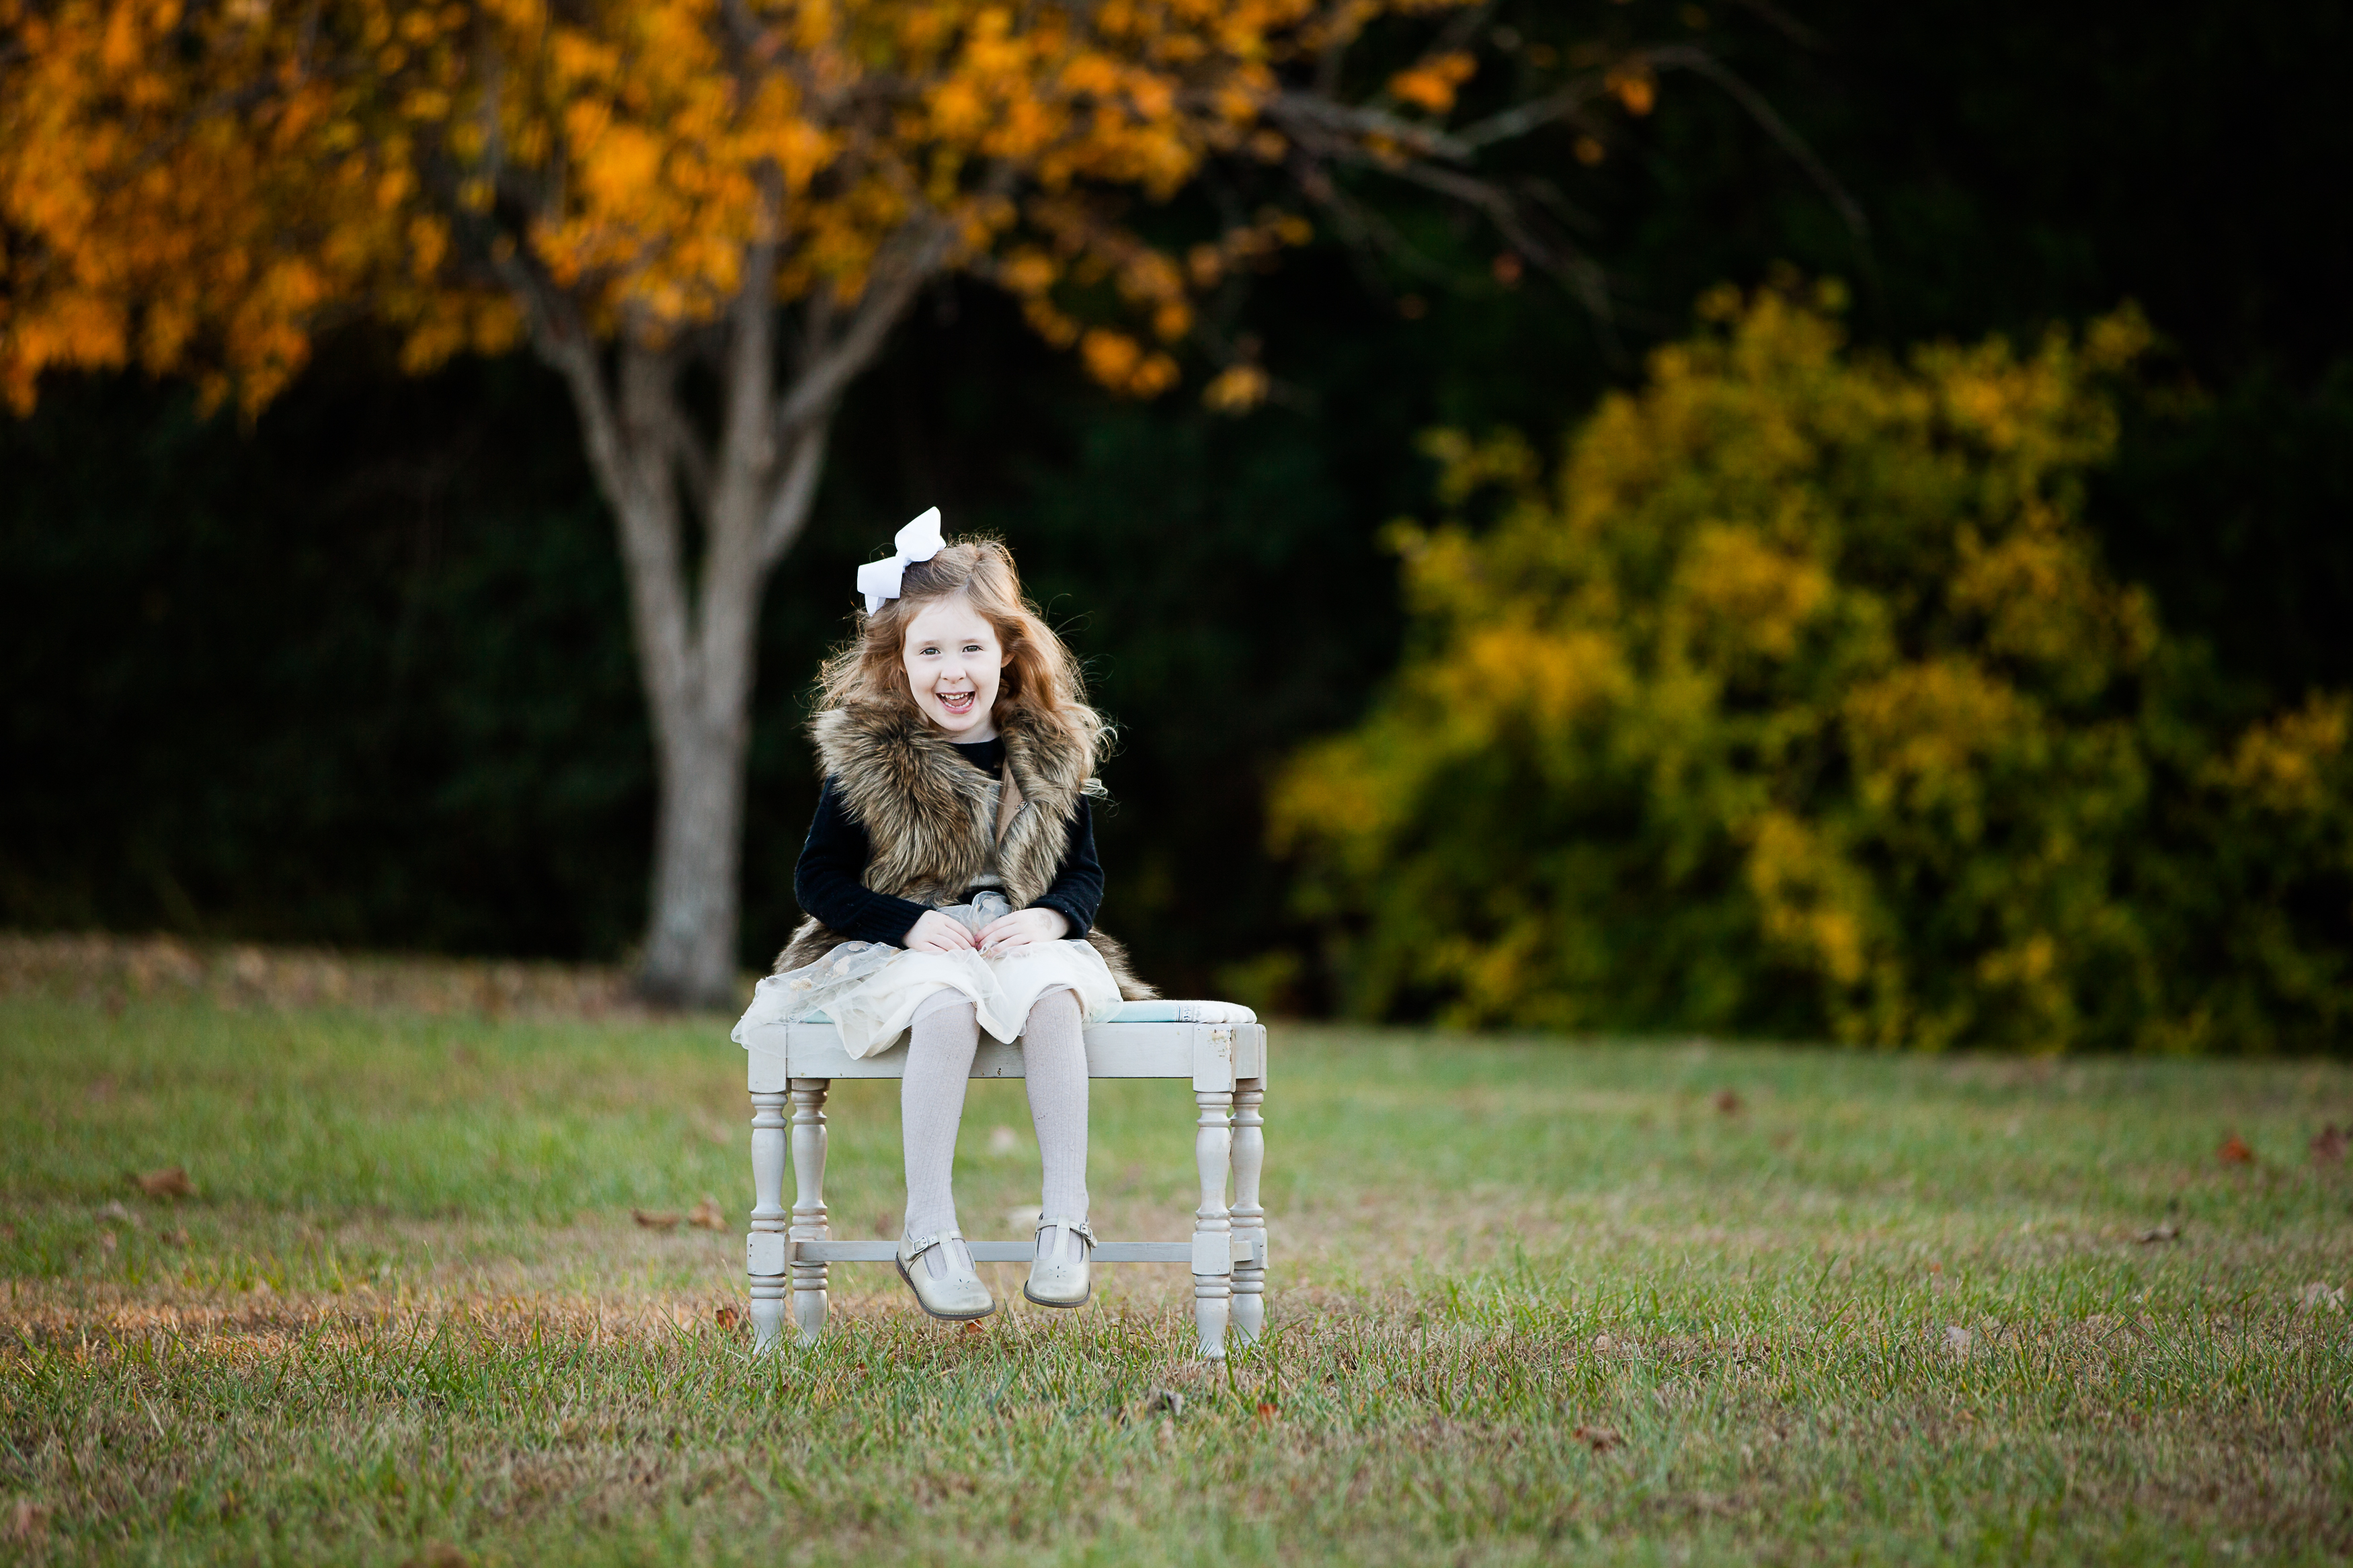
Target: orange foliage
198	185
1432	84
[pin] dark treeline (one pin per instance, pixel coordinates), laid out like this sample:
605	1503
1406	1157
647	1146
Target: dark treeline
360	675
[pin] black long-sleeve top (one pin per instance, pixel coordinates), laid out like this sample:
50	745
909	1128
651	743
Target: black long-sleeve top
826	880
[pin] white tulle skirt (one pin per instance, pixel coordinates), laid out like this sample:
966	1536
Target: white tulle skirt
871	989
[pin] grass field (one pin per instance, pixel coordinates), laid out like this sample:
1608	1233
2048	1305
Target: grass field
1533	1301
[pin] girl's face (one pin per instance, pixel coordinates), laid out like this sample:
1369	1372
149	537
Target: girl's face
954	663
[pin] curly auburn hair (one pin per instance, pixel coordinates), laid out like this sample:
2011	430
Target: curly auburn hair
1041	687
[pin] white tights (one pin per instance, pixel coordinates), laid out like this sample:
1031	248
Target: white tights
940	1047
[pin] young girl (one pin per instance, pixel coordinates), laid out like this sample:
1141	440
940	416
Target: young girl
950	882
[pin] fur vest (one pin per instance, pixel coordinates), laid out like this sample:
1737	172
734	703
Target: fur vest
925	811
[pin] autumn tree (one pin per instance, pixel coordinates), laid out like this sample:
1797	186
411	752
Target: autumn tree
1797	699
708	216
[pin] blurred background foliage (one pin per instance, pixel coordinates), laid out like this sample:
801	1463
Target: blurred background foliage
1798	700
358	674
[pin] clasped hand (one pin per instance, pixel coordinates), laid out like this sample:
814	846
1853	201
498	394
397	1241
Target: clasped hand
936	932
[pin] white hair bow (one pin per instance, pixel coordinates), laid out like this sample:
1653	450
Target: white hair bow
918	541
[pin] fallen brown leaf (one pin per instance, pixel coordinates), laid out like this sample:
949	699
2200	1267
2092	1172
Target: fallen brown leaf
707	1215
655	1221
2166	1232
28	1522
440	1554
2329	1145
727	1317
971	1330
170	1182
2234	1152
1727	1102
1267	1410
1601	1440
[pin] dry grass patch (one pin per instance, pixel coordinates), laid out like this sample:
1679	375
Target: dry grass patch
1533	1302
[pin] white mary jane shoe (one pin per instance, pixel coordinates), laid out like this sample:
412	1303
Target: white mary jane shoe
1055	1280
958	1296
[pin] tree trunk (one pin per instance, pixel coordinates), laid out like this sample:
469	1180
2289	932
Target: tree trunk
753	486
689	956
699	698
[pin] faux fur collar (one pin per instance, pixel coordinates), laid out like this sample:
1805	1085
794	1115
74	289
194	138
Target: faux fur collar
926	810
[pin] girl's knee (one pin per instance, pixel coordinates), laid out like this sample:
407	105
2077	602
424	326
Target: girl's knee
943	1002
1057	1007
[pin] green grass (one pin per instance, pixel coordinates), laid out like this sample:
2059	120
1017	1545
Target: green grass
1533	1301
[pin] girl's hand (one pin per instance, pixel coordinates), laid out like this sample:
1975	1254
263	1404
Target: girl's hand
936	932
1022	927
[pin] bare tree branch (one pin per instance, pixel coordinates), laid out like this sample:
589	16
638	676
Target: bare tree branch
1464	27
1516	122
563	341
788	509
816	327
1364	229
1329	115
1572	266
1701	63
747	444
830	371
647	513
1324	130
1332	61
1797	32
694	459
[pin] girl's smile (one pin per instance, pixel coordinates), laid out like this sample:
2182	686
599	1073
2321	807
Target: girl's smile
954	663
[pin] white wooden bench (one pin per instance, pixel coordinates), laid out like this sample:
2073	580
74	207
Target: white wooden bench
789	1251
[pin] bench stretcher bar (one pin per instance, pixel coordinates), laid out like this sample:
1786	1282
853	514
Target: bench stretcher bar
784	1251
791	1068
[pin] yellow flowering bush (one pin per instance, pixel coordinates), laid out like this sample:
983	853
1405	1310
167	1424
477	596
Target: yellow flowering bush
1798	700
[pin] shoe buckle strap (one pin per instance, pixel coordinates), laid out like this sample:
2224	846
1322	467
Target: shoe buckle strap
911	1248
1075	1227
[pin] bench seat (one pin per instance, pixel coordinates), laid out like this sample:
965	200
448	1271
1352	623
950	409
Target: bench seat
1219	1049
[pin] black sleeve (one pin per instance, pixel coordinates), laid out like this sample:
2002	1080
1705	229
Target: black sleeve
1077	892
826	880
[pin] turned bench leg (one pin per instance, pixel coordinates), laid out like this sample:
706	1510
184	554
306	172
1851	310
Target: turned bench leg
1213	1226
808	1203
1249	1218
764	1247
